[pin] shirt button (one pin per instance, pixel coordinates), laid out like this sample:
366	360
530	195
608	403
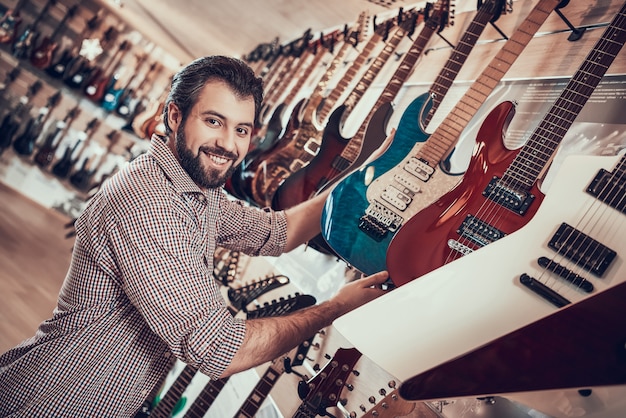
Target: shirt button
144	393
167	354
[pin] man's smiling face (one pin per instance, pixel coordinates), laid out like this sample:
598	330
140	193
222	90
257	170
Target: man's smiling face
215	136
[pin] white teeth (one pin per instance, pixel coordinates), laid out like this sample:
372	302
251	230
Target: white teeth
218	160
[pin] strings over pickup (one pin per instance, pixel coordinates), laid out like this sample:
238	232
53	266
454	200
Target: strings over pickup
505	195
581	249
609	188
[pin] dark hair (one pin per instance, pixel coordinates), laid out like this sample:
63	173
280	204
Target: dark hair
191	79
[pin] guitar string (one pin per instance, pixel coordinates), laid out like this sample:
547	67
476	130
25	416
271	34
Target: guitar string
598	220
492	212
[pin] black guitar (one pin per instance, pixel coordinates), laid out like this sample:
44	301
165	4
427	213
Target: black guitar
63	167
83	178
45	154
24	143
13	120
242	296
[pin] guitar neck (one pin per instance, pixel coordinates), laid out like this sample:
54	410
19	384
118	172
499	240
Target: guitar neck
448	132
206	398
539	150
449	72
167	403
260	392
353	148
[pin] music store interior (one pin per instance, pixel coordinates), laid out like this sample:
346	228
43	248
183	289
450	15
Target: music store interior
443	127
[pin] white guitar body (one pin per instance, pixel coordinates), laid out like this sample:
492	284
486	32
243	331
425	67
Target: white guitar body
478	298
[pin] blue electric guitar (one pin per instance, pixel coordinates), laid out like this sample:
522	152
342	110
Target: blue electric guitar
367	207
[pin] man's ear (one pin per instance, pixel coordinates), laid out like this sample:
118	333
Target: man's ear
174	116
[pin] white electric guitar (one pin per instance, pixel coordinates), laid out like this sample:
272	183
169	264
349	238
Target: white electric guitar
542	308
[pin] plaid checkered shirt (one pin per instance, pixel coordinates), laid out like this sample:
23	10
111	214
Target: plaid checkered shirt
139	290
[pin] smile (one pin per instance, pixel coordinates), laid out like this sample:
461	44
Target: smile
217	159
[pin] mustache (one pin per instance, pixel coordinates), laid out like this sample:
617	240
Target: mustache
219	152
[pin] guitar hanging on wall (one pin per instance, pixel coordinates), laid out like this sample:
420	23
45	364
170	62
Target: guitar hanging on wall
24	45
368	206
42	55
10	23
24	143
45	154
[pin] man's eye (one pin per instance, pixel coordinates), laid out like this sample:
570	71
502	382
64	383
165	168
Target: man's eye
242	131
212	121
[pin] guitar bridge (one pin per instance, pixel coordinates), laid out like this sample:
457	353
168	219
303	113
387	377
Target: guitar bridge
378	220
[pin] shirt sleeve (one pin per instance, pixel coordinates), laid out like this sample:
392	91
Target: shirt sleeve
166	275
251	230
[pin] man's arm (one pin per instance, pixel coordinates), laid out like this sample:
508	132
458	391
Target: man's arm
303	220
268	338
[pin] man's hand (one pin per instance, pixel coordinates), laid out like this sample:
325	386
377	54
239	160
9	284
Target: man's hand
361	291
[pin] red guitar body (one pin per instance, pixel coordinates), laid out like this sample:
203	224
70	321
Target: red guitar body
247	180
42	56
422	243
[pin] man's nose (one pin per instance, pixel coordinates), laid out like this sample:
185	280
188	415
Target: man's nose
227	140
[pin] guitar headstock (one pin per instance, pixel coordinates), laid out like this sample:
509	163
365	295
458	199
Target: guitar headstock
54	100
495	7
324	389
282	306
240	297
441	15
359	31
72	114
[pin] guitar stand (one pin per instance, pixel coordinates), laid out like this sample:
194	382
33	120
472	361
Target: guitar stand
577	33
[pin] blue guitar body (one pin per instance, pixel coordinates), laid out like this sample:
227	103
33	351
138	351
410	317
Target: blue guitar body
348	201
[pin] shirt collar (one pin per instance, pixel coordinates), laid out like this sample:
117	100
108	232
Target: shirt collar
171	167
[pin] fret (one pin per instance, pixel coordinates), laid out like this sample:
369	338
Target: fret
206	398
538	151
166	405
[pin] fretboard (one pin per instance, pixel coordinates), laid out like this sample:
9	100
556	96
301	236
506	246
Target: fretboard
449	130
543	143
459	55
253	403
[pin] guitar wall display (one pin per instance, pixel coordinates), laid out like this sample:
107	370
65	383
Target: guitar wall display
499	192
12	121
305	139
368	206
69	56
63	167
337	153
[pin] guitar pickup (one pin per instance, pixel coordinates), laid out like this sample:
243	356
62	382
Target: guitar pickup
581	249
517	201
419	169
608	188
396	197
478	231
